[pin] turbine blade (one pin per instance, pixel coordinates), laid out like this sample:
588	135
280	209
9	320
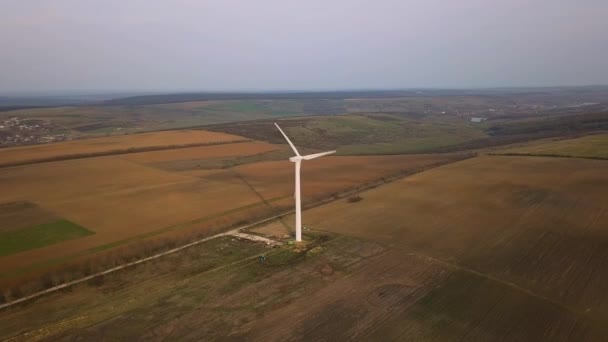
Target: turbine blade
317	155
289	141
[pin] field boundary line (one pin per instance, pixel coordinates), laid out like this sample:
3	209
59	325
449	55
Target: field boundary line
99	248
245	261
464	268
233	232
117	152
252	188
506	283
545	155
503	282
370	186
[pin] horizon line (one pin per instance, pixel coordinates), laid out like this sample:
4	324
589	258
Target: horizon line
141	92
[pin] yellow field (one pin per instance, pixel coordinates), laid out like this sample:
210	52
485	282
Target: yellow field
201	152
22	154
591	146
116	199
135	195
329	175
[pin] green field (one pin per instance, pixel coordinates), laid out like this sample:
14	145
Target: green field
413	124
40	235
272	108
338	287
382	134
359	134
592	146
121	119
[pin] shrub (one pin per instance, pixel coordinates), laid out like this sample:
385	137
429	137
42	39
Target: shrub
354	199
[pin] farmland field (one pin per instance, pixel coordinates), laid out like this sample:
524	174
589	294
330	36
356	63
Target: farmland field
486	248
592	146
516	253
535	222
111	145
21	214
24	226
115	198
39	235
174	192
202	157
365	134
339	288
119	119
332	175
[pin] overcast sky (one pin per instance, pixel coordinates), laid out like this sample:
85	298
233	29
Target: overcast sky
150	45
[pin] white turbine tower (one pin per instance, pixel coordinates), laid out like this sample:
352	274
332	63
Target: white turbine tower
297	159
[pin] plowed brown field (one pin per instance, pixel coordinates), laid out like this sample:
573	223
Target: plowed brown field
134	195
108	145
538	223
486	249
201	152
346	289
114	198
330	174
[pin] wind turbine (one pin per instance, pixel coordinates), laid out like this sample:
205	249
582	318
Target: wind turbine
297	159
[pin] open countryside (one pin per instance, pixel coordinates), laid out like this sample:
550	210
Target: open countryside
304	171
123	198
390	246
591	146
408	277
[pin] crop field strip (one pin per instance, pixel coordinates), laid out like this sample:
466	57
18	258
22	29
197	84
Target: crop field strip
127	178
267	203
25	226
117	179
108	239
114	152
239	273
453	300
363	134
99	248
39	236
86	148
22	214
212	255
592	146
396	295
577	328
571	252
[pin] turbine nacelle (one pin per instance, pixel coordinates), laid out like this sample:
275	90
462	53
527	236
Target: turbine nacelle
296	159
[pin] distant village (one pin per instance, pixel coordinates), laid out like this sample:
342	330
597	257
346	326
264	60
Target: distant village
20	131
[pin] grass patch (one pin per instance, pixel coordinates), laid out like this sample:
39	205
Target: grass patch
285	257
363	134
96	249
354	199
592	146
39	236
